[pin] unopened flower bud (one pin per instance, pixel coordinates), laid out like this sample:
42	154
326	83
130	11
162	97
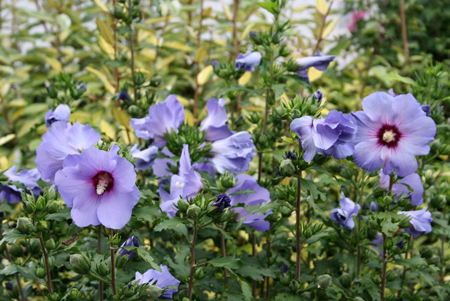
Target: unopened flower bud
80	264
40	273
74	294
345	280
287	168
426	252
103	269
222	201
199	273
50	244
151	292
183	206
324	281
16	250
24	225
54	297
193	211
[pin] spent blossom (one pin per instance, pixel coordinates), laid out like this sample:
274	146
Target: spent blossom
344	215
248	61
318	61
27	177
420	221
61	113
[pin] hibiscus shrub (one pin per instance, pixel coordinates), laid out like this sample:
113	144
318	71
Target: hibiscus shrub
181	151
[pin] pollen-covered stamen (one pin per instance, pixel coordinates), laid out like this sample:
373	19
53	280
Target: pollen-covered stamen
103	181
389	136
179	184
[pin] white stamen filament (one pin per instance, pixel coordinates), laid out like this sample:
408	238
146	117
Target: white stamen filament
179	185
389	136
102	185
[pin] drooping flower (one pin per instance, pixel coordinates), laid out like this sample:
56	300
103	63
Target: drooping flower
234	153
318	61
144	159
344	216
161	279
248	61
162	118
61	140
401	188
330	136
259	196
185	185
61	113
99	186
215	125
130	242
222	201
391	132
357	15
420	221
13	194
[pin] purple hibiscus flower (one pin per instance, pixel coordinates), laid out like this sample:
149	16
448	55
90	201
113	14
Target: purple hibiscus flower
234	153
420	221
215	125
162	118
401	188
161	279
185	185
130	242
318	61
13	194
222	201
330	136
391	132
99	186
144	159
259	196
161	167
248	61
344	216
61	140
61	113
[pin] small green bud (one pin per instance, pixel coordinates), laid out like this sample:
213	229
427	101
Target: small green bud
25	226
183	206
285	279
29	206
40	203
52	207
376	279
50	244
74	294
256	38
52	92
40	273
285	211
199	273
151	292
103	269
16	251
227	181
118	12
133	111
35	248
391	275
324	281
122	261
287	168
346	280
54	297
284	51
193	211
80	264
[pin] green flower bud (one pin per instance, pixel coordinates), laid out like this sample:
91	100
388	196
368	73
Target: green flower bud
133	111
346	280
324	281
35	248
16	251
285	279
50	244
74	294
40	203
118	12
256	38
284	51
193	211
285	211
122	261
391	275
287	168
376	279
29	206
199	273
25	226
40	273
52	207
151	292
54	297
103	269
80	264
372	234
183	206
52	92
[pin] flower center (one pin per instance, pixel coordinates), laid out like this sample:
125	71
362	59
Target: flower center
103	181
179	184
389	135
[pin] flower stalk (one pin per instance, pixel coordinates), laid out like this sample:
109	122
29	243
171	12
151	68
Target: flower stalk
113	266
99	250
47	265
192	269
383	275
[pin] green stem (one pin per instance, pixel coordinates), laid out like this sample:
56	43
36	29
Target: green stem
99	278
192	270
113	267
383	275
99	249
47	265
297	222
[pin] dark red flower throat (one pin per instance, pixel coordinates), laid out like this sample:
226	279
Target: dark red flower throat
389	135
103	181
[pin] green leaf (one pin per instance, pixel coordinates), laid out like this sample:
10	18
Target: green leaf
388	227
255	272
412	263
174	223
145	255
246	289
312	188
63	215
329	233
226	262
105	31
11	236
181	266
269	6
394	76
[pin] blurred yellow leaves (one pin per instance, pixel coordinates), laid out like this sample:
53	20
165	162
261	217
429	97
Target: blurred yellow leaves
205	75
55	64
329	28
246	31
178	46
102	78
107	129
201	54
6	139
102	6
121	117
106	47
322	7
227	12
105	31
314	74
245	78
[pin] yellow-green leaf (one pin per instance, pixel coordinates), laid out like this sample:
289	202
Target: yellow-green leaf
329	28
106	47
205	75
55	64
227	12
102	78
201	54
7	138
246	31
178	46
105	31
121	117
102	6
245	78
322	7
107	129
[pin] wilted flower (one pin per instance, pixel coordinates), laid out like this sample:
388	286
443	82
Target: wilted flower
330	136
185	185
61	140
123	95
61	113
215	125
248	61
130	242
420	221
234	153
162	118
401	188
391	132
28	178
100	187
344	215
318	61
144	159
356	17
222	201
259	196
161	279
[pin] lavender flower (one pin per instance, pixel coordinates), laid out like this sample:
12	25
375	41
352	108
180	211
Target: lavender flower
401	188
99	186
392	93
144	159
161	279
215	125
162	118
330	136
161	167
420	221
222	201
123	95
318	61
426	108
391	132
259	196
186	185
374	206
343	216
130	242
248	61
234	153
61	140
13	194
61	113
318	96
